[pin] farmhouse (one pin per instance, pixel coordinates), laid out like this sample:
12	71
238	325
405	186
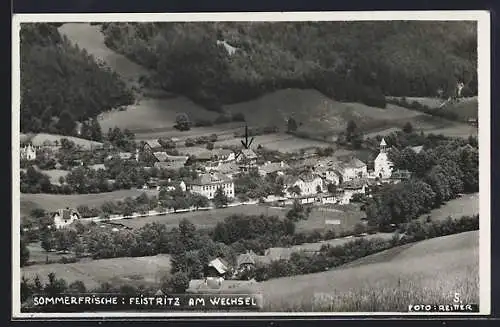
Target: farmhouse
247	156
357	186
223	155
28	152
65	217
329	174
227	168
207	185
308	184
273	167
168	161
351	168
245	261
152	146
218	267
383	165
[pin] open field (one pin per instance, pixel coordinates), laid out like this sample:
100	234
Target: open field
39	256
135	271
42	138
278	141
467	205
465	108
209	218
149	115
51	202
430	271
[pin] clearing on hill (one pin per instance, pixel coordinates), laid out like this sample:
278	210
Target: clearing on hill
430	271
321	115
137	270
42	139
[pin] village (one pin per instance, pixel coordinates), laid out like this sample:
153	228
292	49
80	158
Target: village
257	169
305	179
308	179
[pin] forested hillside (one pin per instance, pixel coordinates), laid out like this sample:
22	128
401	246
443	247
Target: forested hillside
61	84
348	61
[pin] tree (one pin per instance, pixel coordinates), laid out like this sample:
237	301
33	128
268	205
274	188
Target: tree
359	229
65	238
213	138
95	130
182	122
77	287
220	199
25	253
78	247
66	123
332	188
291	125
210	146
294	190
47	240
408	128
178	283
319	189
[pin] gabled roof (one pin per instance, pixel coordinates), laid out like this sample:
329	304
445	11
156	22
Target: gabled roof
246	258
383	143
354	184
248	153
417	149
66	213
125	155
212	178
220	265
97	166
161	156
153	144
273	167
205	155
169	165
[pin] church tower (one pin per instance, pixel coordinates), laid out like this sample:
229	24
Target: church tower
382	164
383	146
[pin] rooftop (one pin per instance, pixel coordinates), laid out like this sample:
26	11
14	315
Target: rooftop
212	178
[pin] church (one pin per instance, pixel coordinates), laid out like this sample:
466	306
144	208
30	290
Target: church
383	165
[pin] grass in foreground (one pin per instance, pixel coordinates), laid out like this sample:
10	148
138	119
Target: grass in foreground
430	271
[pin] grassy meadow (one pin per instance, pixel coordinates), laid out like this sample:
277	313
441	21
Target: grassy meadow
430	271
135	271
52	202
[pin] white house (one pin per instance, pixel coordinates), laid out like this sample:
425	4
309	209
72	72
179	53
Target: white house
308	184
246	156
207	185
28	152
65	217
383	165
329	174
350	188
273	167
350	169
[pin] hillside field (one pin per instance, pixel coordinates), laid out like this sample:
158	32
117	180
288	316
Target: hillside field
135	271
52	202
209	218
321	117
466	205
42	138
430	271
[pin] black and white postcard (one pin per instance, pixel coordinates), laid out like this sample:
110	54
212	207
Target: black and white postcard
251	164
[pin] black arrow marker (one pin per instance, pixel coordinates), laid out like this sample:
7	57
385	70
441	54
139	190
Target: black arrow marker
247	142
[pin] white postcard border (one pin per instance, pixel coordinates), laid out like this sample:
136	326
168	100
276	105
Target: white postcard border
484	73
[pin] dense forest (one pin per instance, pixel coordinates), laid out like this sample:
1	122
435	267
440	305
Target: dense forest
62	84
227	62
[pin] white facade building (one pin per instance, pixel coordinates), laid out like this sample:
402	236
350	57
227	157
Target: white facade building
308	185
28	152
65	217
207	185
382	165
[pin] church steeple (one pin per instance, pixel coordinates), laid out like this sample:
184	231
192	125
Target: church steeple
383	145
